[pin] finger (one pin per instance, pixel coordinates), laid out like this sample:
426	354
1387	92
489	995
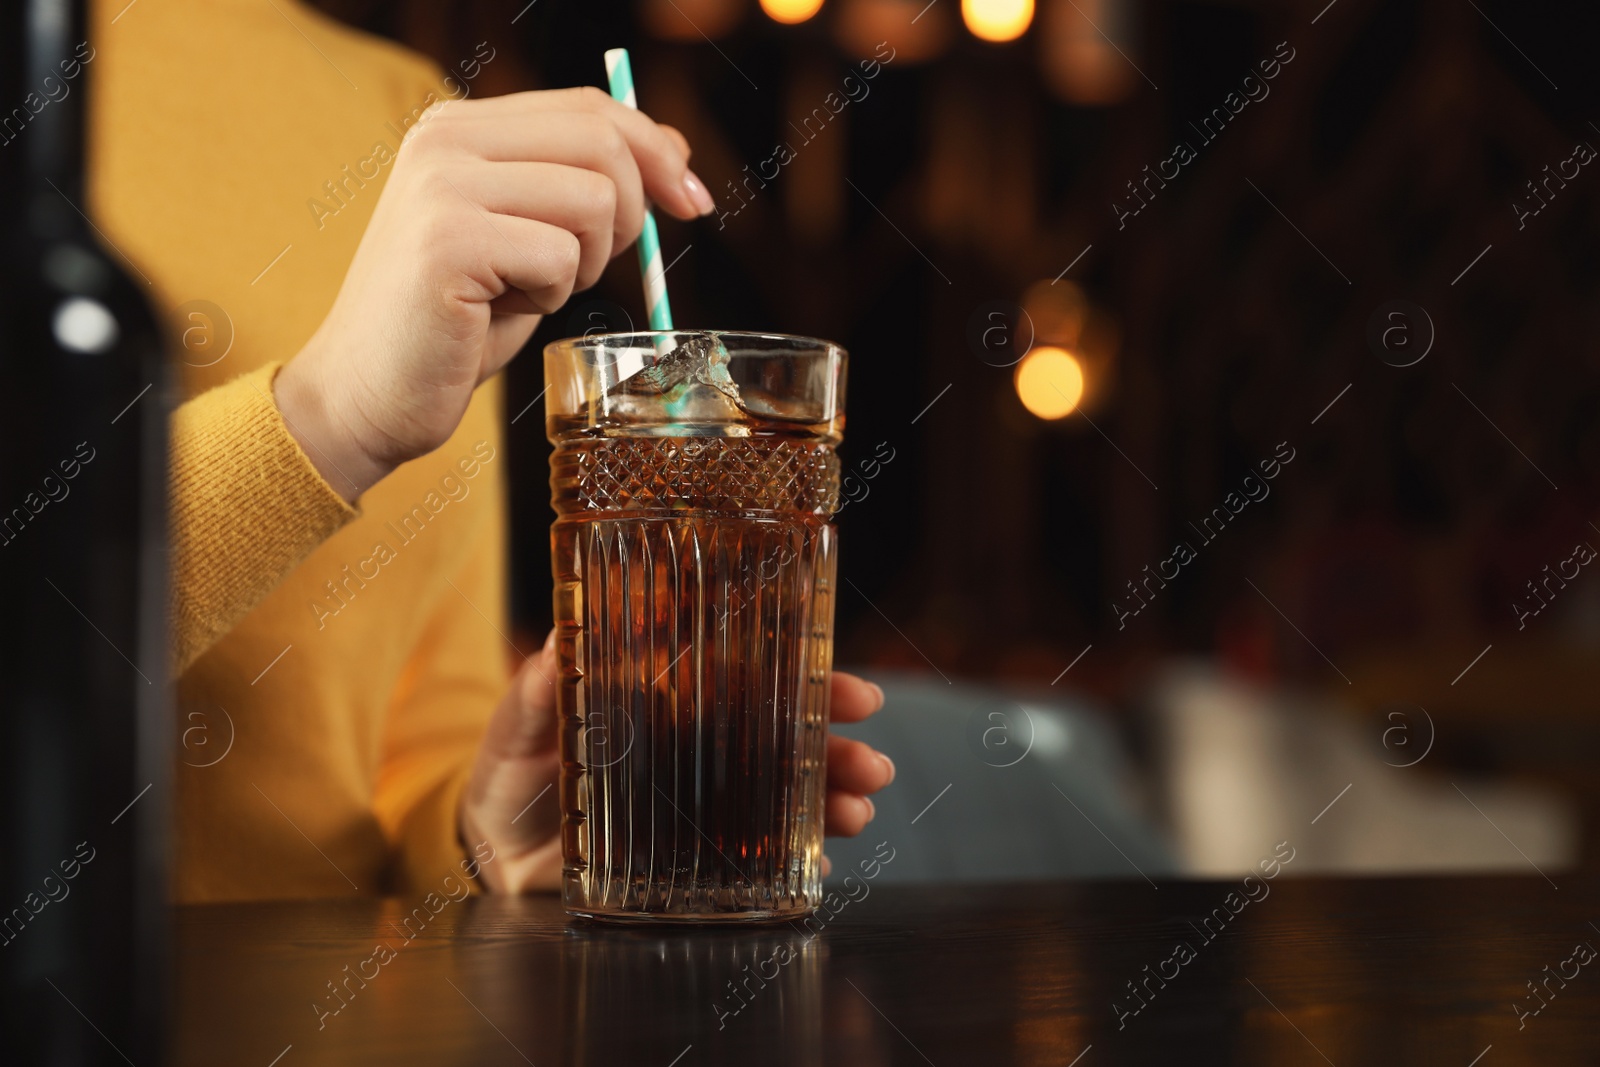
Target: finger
677	138
582	202
853	699
511	305
827	865
662	161
509	328
524	725
846	815
571	139
511	792
857	767
534	257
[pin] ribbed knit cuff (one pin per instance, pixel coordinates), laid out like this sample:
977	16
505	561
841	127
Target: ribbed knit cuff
247	507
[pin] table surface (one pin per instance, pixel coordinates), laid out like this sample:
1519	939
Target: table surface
1343	971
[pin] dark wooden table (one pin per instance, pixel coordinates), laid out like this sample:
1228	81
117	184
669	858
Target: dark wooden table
1343	971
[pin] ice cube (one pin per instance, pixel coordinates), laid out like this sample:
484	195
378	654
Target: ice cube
700	359
691	384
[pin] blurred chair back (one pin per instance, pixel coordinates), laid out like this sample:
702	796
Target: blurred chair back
991	788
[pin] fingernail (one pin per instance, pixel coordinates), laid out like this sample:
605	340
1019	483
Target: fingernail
699	195
878	690
888	767
550	642
872	809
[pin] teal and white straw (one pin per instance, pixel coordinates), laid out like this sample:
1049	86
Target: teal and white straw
619	72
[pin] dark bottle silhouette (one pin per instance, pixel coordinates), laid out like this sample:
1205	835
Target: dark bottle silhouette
85	735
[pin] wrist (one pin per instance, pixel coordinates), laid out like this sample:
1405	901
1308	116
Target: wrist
328	439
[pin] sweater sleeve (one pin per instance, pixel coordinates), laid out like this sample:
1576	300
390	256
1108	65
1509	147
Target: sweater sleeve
441	707
247	507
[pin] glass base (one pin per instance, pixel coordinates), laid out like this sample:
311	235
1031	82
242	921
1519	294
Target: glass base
661	918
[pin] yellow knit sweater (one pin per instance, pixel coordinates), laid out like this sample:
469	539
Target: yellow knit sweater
337	666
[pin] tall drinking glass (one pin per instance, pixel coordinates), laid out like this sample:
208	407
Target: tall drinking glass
693	480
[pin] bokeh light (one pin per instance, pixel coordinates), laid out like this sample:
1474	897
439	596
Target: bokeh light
689	20
1050	382
1058	309
790	12
997	20
913	31
1079	61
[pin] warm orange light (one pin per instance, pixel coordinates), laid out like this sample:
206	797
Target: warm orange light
904	31
690	20
1079	60
1050	382
790	12
997	20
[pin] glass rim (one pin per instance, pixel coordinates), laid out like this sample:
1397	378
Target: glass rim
593	340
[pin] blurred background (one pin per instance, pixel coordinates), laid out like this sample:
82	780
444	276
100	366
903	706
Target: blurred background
1304	288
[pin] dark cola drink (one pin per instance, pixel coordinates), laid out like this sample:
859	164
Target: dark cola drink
694	568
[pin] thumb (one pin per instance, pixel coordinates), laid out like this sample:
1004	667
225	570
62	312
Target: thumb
524	725
510	798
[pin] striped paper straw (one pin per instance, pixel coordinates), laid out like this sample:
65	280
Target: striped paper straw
619	72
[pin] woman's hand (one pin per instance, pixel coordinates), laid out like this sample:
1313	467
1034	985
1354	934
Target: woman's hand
495	212
507	804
